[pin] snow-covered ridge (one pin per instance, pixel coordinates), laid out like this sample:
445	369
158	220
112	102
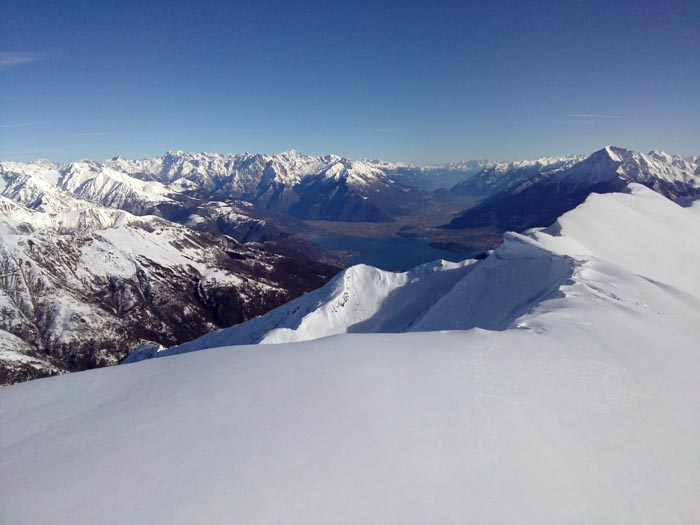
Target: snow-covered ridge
656	169
81	283
242	174
288	182
584	388
524	272
359	299
502	176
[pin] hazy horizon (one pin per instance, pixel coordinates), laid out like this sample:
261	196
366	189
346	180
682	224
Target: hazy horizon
271	153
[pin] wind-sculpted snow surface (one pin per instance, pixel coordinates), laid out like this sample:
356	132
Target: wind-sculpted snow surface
581	406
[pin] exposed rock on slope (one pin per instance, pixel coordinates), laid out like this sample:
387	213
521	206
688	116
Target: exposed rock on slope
587	389
81	287
525	271
544	196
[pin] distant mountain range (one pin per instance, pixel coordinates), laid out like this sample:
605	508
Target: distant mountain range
83	279
99	258
322	188
518	196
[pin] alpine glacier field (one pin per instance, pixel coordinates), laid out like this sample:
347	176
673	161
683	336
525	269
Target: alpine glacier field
553	382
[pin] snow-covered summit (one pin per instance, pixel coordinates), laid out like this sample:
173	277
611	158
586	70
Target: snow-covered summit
51	187
525	271
658	170
502	176
359	299
582	385
537	197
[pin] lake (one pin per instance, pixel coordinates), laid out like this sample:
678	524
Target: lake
397	254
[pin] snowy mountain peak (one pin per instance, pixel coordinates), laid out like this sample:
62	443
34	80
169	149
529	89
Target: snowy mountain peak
657	170
662	155
529	273
614	153
291	154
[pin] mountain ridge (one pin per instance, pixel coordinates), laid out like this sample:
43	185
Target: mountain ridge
540	197
494	293
588	391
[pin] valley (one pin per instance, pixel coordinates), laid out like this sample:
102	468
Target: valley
98	259
347	263
568	357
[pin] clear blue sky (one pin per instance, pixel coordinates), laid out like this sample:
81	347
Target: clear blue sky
413	81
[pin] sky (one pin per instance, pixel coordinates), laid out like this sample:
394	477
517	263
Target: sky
412	81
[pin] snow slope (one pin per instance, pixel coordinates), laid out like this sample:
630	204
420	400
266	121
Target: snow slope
539	198
583	408
307	187
502	176
82	285
493	293
359	299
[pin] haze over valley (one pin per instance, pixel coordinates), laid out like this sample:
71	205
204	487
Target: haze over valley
100	258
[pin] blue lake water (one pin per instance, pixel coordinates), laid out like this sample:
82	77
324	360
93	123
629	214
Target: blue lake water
397	254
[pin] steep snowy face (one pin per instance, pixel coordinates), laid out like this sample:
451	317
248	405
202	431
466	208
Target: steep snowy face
541	198
503	176
588	393
638	231
49	187
290	182
673	176
360	299
81	286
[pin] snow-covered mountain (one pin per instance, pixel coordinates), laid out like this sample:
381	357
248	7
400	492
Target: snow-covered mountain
81	284
360	299
568	367
434	176
45	185
326	188
492	293
502	176
540	197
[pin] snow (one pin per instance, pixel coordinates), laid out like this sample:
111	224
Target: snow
631	166
53	188
695	207
581	405
610	150
641	214
360	299
493	293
